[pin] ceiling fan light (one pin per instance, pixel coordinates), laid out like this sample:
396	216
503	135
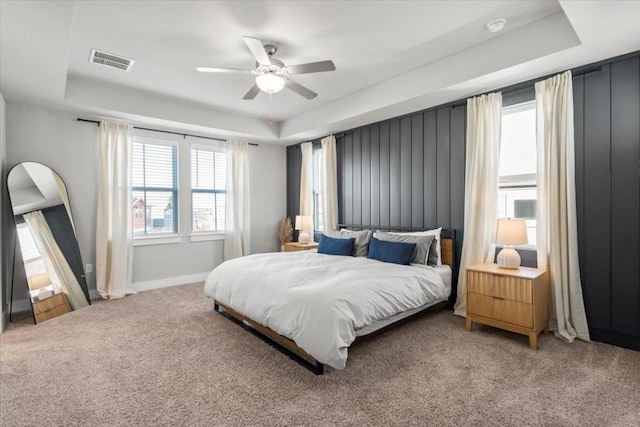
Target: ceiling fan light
270	83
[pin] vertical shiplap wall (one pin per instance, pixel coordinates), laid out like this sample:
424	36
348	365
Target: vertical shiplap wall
403	172
607	136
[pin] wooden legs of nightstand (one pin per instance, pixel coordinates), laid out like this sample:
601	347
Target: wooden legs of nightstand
533	340
533	336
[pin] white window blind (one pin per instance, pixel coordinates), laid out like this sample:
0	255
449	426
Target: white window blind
154	188
208	187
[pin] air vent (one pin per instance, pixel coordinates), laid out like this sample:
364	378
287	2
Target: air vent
111	60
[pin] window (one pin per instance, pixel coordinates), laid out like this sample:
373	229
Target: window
318	210
517	193
155	187
208	186
33	263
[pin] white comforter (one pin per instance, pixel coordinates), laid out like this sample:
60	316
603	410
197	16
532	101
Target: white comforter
318	300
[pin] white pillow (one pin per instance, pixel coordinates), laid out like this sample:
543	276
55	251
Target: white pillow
434	232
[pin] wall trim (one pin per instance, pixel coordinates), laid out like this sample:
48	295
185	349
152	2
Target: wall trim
170	281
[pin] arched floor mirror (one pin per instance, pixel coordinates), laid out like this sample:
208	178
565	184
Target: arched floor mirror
47	255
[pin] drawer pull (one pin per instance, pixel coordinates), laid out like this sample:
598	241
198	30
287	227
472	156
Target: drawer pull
500	298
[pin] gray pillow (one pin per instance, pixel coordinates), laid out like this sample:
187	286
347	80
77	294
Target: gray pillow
423	243
434	256
360	246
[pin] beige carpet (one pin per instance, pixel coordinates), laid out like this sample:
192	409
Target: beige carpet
165	358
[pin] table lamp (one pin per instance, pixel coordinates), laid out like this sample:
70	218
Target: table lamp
510	232
303	224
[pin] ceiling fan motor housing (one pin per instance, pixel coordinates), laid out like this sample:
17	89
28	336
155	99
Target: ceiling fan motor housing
270	49
276	67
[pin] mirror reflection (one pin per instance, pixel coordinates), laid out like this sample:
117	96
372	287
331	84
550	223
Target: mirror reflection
46	241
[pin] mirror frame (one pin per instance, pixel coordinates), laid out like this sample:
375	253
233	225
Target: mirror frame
83	282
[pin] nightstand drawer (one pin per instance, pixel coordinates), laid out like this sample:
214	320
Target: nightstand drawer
51	307
496	285
505	310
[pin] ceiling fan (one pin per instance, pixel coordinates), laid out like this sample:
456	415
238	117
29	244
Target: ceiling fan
271	74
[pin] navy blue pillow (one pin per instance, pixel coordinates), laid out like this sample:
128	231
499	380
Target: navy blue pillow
331	246
395	252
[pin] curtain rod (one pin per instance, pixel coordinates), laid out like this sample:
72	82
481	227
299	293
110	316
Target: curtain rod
184	135
508	89
531	83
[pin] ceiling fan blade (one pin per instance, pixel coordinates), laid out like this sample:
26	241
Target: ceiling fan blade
300	90
257	49
312	67
222	70
252	92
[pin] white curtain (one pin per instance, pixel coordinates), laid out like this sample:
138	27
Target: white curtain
329	183
306	185
55	262
484	119
62	189
114	236
237	218
557	237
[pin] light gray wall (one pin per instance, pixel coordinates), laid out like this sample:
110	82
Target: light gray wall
56	139
268	196
4	270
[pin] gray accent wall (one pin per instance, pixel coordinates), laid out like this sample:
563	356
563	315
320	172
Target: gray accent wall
607	136
403	172
409	171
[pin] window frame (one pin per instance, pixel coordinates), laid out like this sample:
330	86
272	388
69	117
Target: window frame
315	194
517	102
144	239
205	235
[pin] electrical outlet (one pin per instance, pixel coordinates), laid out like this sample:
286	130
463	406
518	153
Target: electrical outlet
88	268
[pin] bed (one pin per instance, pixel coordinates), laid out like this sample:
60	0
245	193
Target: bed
313	306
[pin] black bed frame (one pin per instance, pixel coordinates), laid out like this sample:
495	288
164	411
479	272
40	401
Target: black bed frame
317	367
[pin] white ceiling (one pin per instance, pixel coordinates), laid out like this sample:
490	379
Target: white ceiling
391	57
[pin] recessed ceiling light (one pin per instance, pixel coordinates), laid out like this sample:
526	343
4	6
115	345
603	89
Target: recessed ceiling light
496	25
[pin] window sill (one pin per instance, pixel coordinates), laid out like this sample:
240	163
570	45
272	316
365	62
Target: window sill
157	240
205	237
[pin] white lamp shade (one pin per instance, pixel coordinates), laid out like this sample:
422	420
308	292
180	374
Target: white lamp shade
303	222
511	231
270	83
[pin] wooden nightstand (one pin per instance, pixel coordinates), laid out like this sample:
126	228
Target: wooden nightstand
51	307
515	300
297	246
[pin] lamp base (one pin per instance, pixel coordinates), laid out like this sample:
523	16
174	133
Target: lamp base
509	258
303	237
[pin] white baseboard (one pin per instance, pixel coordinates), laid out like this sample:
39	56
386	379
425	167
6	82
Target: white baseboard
170	281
